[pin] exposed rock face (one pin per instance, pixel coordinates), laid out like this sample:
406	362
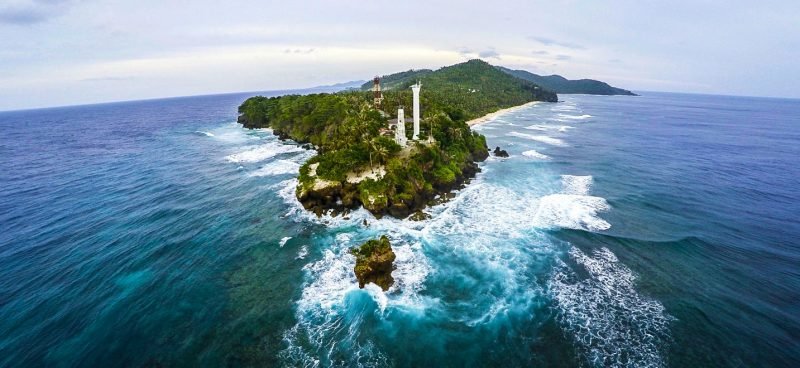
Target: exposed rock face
374	263
500	153
420	216
341	197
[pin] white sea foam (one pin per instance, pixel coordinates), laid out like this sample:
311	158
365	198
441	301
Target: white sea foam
612	325
302	253
574	117
578	185
563	107
571	211
279	167
481	231
537	127
542	128
482	127
573	208
536	155
233	133
262	152
539	138
284	240
480	209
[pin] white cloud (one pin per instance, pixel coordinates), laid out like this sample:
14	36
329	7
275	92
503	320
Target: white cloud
151	48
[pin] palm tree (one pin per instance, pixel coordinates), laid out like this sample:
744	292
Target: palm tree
381	153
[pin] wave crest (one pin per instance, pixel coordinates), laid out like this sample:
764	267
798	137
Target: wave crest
535	154
539	138
262	152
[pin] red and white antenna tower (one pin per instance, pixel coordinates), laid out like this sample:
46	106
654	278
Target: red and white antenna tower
376	92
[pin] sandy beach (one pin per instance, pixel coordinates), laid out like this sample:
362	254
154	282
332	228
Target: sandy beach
491	116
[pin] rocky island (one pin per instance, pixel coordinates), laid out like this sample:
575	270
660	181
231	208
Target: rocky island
365	157
374	263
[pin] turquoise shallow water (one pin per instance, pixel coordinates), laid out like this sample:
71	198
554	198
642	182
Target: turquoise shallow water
650	231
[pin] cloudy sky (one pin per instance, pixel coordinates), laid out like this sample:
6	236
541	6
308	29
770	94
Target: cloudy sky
63	52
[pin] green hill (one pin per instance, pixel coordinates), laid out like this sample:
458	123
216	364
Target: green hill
465	91
559	84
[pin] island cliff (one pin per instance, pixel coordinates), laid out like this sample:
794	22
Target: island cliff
359	164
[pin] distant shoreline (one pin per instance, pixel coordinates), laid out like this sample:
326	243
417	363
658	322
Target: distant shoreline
492	115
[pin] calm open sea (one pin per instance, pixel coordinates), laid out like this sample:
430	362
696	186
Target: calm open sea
659	230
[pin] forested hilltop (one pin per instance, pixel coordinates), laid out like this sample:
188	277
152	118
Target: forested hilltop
359	163
559	84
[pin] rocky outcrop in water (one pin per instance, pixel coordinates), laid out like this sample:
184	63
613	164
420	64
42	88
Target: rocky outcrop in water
374	263
500	153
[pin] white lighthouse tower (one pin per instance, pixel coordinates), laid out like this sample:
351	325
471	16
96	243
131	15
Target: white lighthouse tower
400	130
415	89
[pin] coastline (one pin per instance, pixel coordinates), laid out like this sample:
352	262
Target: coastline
492	115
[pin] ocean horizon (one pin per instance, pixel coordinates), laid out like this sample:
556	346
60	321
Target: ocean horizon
657	230
333	88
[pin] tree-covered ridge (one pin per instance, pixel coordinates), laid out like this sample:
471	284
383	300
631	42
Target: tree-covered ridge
559	84
399	80
358	165
328	121
465	91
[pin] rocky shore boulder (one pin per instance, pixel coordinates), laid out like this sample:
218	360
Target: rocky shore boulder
500	153
374	263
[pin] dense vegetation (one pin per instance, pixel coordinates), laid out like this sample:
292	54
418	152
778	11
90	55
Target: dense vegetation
346	130
559	84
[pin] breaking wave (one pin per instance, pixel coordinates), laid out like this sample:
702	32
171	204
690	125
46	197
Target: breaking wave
279	167
539	138
542	128
535	154
574	117
262	152
573	208
570	211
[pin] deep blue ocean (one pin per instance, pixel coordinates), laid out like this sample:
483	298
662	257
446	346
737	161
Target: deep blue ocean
653	231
